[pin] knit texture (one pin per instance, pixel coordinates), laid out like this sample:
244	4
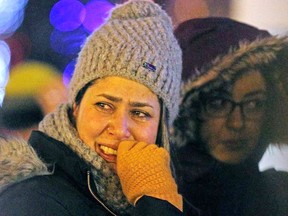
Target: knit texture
144	170
137	43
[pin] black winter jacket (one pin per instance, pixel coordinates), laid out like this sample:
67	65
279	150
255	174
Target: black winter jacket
216	52
67	190
218	189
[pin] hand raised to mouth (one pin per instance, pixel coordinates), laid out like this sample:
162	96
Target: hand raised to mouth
144	170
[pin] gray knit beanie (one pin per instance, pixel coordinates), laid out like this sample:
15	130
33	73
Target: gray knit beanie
136	43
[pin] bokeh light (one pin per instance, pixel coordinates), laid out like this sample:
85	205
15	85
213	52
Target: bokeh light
67	43
96	13
20	47
11	16
68	72
4	68
73	21
67	15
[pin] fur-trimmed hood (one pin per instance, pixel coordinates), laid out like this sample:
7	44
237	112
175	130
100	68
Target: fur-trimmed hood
249	55
18	161
261	53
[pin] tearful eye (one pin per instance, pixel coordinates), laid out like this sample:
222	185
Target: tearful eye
104	106
140	115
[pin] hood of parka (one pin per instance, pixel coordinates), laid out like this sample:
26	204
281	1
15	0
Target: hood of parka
259	54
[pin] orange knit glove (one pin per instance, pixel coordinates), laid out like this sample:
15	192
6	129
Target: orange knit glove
144	169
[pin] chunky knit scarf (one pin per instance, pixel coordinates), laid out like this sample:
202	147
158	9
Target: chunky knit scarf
59	126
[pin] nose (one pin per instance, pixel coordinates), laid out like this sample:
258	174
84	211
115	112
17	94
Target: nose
118	125
235	119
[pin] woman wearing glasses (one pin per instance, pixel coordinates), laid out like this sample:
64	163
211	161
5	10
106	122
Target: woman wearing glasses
232	108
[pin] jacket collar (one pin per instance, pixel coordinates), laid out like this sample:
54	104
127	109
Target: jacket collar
58	156
18	161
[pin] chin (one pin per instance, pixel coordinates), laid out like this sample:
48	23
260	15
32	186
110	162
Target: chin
231	158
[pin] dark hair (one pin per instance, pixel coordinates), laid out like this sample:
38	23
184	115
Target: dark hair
159	132
159	138
276	122
82	92
78	100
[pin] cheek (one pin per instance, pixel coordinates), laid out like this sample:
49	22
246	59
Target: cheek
210	131
89	126
254	132
146	133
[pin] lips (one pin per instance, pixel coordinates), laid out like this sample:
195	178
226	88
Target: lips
108	154
234	145
107	150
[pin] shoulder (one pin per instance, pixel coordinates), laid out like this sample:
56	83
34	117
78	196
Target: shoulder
274	177
18	161
276	184
30	197
44	195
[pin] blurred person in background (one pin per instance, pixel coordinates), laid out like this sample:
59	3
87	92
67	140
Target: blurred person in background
106	151
34	90
233	107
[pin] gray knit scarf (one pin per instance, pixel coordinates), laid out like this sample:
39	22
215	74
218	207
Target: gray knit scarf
59	126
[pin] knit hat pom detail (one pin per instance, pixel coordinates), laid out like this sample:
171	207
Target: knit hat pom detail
135	9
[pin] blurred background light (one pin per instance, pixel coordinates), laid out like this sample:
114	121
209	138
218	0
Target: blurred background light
67	43
4	68
11	16
68	72
72	22
265	14
20	47
96	13
67	15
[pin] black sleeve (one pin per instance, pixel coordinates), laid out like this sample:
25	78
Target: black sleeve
150	206
12	204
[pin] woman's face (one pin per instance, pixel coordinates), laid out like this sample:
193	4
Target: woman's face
115	109
232	132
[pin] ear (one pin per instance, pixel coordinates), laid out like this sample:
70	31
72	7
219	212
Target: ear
75	110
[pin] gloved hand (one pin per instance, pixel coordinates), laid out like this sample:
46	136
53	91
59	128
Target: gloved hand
144	169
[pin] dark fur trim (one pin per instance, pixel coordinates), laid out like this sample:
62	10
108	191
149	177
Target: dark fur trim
254	55
248	56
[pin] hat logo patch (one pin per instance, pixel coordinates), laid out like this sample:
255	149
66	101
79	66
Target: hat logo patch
149	66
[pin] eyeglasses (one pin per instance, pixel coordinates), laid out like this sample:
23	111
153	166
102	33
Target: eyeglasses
219	107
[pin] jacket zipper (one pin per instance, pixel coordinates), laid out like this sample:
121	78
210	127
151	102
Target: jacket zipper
95	197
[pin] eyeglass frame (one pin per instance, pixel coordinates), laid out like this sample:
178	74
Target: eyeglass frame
232	105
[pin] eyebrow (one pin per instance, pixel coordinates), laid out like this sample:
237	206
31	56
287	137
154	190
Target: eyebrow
118	99
110	97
